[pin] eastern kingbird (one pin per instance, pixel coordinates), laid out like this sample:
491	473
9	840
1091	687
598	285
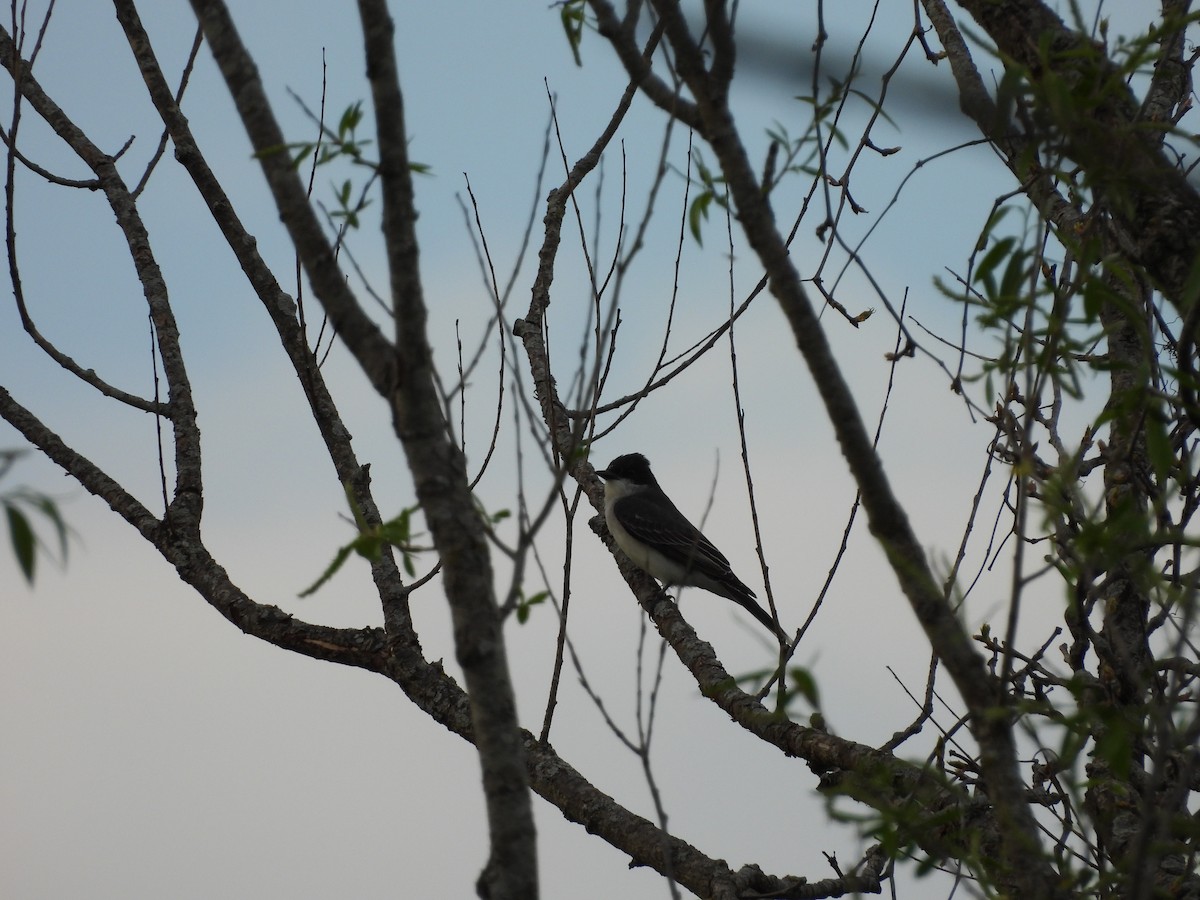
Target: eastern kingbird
660	541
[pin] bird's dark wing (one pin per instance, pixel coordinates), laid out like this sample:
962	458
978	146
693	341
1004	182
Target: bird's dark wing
678	539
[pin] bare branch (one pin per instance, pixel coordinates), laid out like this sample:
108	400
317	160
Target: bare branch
362	336
185	509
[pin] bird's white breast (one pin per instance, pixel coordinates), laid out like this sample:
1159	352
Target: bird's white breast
645	558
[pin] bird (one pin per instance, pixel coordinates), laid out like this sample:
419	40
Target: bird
660	541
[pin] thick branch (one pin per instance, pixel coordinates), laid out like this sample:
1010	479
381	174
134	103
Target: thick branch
440	478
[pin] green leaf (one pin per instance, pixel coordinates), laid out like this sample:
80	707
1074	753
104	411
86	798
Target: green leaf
368	546
1158	448
875	106
342	555
525	605
300	152
397	531
350	120
1014	275
49	509
572	16
1115	747
999	252
699	213
359	522
24	542
805	684
270	151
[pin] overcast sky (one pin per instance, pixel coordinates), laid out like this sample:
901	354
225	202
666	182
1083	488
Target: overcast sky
150	749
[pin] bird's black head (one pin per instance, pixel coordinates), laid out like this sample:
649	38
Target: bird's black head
632	467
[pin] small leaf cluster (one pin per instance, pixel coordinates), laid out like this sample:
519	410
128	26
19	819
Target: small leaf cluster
371	540
573	15
525	604
713	191
340	143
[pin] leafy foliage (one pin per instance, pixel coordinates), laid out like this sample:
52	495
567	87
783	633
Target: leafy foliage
341	143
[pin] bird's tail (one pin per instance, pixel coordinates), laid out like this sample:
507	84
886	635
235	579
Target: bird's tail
745	598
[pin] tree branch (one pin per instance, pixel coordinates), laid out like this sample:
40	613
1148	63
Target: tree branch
374	353
184	510
1022	864
440	478
280	307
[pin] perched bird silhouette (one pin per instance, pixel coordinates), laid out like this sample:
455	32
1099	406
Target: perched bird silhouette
657	537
